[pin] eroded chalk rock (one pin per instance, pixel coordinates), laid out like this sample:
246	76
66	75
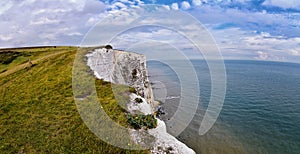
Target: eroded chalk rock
128	68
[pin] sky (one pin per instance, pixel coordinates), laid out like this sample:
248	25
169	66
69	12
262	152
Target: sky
243	29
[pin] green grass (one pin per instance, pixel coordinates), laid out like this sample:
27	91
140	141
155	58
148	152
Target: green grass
37	110
21	56
114	107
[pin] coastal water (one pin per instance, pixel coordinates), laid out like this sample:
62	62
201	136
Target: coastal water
261	112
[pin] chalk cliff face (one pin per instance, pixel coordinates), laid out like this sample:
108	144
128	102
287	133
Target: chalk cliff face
130	69
122	68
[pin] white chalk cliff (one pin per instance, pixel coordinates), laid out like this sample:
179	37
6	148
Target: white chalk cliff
129	68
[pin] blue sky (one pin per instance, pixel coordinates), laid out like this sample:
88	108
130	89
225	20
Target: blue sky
243	29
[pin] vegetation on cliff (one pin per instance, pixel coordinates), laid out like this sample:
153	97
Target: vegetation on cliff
139	121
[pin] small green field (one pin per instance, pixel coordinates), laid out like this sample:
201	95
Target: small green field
37	109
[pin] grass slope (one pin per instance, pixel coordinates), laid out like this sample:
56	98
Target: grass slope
37	109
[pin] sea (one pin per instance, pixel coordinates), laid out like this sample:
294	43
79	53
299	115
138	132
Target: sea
260	114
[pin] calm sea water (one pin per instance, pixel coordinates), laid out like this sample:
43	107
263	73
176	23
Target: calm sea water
261	112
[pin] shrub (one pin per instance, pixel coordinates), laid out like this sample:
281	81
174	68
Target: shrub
139	121
132	90
138	100
108	47
7	57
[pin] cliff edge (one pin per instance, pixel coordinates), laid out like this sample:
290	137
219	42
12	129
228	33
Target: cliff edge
130	69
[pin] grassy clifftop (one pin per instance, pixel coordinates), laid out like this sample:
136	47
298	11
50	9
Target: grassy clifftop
37	109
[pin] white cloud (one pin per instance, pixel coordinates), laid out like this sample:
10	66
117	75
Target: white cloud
5	5
74	34
285	24
185	5
122	4
240	44
174	6
235	43
118	5
271	43
139	2
197	2
283	3
33	22
166	7
44	21
262	55
5	37
295	52
127	1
